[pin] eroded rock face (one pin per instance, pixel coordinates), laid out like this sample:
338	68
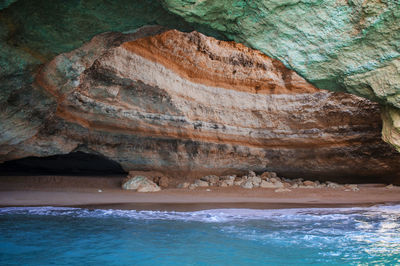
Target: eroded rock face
351	46
32	33
184	103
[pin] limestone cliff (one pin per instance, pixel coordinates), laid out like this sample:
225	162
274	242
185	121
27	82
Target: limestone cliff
351	46
185	103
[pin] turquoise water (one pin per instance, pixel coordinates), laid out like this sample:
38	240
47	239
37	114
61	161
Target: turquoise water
71	236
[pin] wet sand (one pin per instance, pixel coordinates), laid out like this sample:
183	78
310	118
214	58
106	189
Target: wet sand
84	192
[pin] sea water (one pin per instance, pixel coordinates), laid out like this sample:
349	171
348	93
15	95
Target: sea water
73	236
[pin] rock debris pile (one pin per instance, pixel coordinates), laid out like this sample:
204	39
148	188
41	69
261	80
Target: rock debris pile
265	180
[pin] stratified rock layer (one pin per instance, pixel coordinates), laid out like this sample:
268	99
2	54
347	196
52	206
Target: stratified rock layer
188	104
351	46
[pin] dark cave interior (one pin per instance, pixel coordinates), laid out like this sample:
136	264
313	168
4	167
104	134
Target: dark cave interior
74	163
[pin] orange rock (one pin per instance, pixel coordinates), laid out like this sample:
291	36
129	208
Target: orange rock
190	105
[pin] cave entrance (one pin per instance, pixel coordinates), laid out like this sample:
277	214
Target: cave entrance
74	163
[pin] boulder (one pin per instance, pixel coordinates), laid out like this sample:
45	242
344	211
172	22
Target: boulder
268	175
332	185
309	183
183	185
156	179
163	182
140	184
247	185
238	181
251	174
230	183
148	187
228	177
201	183
255	180
212	179
267	184
222	183
275	179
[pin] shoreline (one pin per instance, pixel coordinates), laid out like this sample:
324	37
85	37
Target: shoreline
186	200
83	192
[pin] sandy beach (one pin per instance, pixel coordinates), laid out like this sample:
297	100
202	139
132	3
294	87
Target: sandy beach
105	192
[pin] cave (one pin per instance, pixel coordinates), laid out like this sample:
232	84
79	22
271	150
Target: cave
74	163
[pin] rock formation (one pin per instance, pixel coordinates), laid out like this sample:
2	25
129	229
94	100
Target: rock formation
351	46
183	103
140	184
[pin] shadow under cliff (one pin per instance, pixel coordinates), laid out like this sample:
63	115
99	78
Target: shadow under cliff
74	163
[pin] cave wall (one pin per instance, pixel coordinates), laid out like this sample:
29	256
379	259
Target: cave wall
351	46
163	100
149	98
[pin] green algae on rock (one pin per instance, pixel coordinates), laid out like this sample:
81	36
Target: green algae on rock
6	3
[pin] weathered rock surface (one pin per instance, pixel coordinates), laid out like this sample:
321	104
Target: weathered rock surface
351	46
32	33
391	126
254	181
140	184
187	103
348	46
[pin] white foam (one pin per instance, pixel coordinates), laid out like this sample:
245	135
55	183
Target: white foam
214	215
